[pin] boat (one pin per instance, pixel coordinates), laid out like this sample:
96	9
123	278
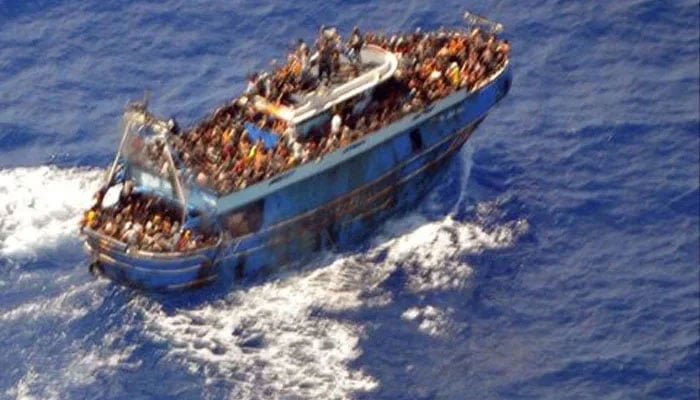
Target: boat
259	218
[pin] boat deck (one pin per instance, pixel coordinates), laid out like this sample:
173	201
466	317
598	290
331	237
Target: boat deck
377	66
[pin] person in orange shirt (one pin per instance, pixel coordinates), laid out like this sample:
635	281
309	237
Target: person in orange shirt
259	160
227	135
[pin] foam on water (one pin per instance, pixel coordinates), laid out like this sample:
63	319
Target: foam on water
65	306
77	368
39	206
265	340
277	338
76	362
432	320
22	390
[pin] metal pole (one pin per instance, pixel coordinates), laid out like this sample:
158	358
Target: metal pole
113	168
178	185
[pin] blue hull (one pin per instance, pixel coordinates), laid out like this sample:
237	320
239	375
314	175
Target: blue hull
333	203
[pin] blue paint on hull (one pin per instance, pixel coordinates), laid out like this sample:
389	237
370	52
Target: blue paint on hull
331	203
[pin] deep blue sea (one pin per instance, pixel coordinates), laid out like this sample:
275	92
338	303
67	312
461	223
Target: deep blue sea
559	259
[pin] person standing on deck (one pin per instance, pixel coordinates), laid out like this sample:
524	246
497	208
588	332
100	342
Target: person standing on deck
302	54
328	53
325	61
355	44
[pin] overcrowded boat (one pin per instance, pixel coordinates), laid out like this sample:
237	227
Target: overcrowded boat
313	155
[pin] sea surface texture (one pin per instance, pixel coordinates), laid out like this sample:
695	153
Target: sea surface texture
559	259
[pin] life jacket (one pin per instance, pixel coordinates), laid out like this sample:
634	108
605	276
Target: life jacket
453	75
252	152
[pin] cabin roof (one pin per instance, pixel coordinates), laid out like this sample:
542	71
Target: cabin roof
377	66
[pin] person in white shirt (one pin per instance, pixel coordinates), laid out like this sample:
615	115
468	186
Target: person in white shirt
336	124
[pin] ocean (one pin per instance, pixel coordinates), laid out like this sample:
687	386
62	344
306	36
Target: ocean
559	259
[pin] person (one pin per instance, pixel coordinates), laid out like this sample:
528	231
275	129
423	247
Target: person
325	61
99	196
265	84
173	126
320	38
90	219
336	124
302	55
183	240
297	149
453	74
355	44
252	87
131	234
331	144
345	136
430	67
109	228
502	51
290	134
201	178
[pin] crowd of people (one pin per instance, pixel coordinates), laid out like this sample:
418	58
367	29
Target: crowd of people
145	223
437	63
221	154
296	76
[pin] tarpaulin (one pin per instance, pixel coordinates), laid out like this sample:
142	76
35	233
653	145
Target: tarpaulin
254	133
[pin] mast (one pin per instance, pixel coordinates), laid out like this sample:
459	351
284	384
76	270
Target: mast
176	178
113	168
129	121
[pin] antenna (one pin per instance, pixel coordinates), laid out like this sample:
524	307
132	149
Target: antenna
146	98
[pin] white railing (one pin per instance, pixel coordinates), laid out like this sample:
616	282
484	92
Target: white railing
319	102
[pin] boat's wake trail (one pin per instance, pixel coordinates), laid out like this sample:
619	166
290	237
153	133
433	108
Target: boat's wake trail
281	338
66	346
274	339
41	205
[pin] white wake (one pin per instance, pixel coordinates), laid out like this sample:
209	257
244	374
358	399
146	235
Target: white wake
39	206
74	362
276	338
